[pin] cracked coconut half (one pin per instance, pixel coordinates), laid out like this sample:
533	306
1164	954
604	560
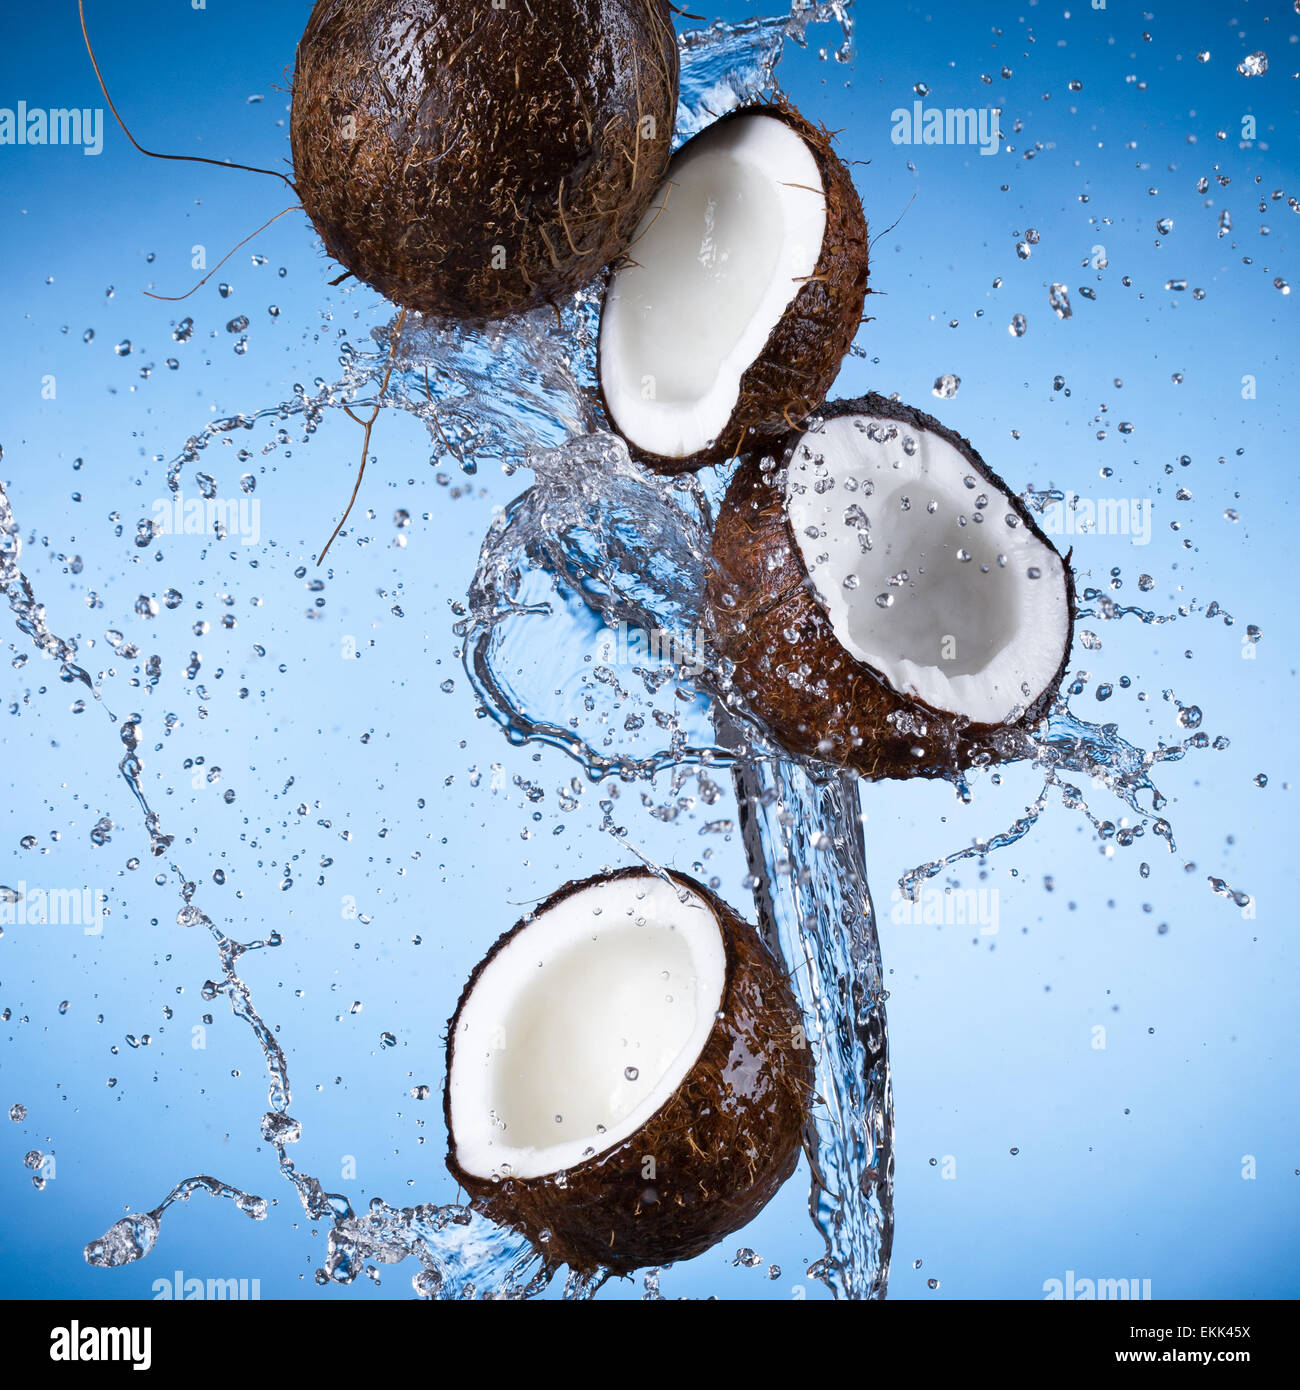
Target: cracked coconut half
883	599
740	295
627	1077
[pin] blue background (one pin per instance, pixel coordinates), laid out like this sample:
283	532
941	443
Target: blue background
1130	1158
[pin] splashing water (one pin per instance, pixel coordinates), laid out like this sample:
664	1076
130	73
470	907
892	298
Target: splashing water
133	1237
583	632
508	394
458	1250
803	835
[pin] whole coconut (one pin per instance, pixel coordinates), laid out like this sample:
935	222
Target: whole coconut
474	158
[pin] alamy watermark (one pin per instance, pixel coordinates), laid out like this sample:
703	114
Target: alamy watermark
946	125
53	907
209	516
1072	515
73	1342
179	1288
933	906
1074	1288
627	644
35	125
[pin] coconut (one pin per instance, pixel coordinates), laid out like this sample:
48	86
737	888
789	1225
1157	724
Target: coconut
627	1077
470	159
884	601
729	318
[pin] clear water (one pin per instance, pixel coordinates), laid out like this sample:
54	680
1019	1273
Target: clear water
633	551
589	559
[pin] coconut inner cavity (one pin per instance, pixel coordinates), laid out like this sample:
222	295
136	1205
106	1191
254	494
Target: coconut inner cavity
725	247
582	1026
924	568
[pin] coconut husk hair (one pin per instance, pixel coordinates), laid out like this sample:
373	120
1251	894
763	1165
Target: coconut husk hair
473	161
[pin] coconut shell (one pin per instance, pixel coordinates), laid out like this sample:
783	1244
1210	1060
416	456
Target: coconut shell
790	669
472	161
803	353
722	1145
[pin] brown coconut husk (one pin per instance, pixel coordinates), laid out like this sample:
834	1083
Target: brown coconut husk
431	140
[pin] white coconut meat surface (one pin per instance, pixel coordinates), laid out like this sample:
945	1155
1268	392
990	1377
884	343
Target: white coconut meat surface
924	569
725	247
583	1025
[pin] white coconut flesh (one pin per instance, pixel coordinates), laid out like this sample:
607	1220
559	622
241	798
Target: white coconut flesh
582	1026
924	569
725	247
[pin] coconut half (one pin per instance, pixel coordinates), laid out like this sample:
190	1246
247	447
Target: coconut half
627	1078
885	601
740	295
472	159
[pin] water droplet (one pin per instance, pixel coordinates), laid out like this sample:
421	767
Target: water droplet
280	1129
946	386
1253	64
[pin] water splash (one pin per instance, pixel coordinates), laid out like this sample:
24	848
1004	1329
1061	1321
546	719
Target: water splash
803	835
1070	747
502	393
598	545
133	1237
585	583
728	65
508	393
458	1250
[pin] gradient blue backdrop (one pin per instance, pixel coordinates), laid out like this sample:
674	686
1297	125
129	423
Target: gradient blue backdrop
1131	1160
